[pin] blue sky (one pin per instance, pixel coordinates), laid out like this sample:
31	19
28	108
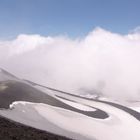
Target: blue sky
67	17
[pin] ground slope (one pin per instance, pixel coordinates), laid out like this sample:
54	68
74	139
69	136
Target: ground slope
10	130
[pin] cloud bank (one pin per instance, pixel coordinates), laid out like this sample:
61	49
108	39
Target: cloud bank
103	61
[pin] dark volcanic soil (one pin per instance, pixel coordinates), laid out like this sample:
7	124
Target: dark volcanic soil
20	91
10	130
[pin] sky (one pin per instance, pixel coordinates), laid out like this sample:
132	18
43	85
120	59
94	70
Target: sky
73	18
79	46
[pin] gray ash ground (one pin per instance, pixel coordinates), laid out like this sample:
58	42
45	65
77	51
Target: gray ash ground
10	130
19	91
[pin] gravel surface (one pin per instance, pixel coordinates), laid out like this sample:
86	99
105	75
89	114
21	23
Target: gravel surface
10	130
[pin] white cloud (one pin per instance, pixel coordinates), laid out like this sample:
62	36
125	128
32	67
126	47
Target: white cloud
102	61
136	30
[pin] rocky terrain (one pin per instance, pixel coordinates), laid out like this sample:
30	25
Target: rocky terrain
10	130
